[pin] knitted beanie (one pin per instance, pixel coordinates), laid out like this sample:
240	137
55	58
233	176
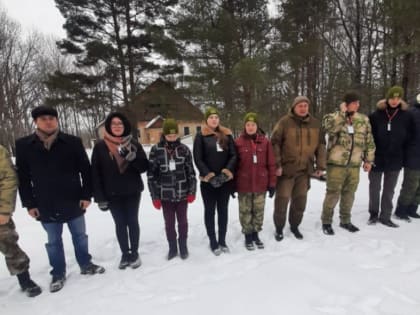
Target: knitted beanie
251	117
395	91
170	127
210	111
300	99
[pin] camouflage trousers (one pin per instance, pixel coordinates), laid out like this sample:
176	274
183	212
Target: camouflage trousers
16	259
410	189
342	183
294	190
251	211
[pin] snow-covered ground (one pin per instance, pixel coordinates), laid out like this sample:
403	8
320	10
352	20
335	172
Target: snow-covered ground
374	271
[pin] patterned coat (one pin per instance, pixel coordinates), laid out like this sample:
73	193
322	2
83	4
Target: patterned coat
8	183
344	148
166	184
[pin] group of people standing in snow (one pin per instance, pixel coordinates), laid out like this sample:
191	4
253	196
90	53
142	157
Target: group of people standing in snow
57	181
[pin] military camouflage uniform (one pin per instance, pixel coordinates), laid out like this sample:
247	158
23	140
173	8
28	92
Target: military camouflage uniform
346	152
16	260
251	211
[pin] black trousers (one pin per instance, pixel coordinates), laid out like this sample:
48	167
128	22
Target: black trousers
375	197
215	198
125	212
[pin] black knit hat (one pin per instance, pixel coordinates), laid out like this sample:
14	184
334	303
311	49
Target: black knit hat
126	123
351	97
44	111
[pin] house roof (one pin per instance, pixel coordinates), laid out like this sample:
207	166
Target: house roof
152	122
160	98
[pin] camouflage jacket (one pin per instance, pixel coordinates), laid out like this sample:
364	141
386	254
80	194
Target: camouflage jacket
8	183
344	148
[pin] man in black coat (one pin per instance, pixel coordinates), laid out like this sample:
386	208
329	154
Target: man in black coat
409	198
55	186
391	128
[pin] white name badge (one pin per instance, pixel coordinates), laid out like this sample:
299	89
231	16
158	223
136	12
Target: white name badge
388	127
218	147
350	129
172	165
254	158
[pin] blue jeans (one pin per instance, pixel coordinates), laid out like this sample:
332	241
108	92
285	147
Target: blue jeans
55	248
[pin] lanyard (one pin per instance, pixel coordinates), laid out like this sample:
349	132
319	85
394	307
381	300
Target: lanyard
390	117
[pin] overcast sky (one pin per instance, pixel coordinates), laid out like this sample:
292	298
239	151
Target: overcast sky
41	15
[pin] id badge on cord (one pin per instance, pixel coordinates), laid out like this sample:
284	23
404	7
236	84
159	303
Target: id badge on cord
254	158
218	147
350	129
172	165
388	127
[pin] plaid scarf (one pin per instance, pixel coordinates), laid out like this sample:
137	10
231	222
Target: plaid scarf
113	143
47	139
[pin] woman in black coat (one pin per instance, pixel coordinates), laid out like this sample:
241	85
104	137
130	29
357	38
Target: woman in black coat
117	164
215	157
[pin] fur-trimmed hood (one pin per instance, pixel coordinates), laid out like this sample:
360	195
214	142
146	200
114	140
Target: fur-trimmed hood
207	131
381	105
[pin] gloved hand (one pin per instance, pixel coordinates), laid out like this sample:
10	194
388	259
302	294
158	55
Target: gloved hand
128	155
218	180
190	198
271	191
103	205
157	204
233	195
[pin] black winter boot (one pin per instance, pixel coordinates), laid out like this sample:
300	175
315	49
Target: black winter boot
173	249
401	213
249	245
183	249
349	227
27	285
373	219
412	211
327	229
278	235
296	232
257	240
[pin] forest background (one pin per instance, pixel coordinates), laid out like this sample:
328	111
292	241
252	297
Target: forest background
237	55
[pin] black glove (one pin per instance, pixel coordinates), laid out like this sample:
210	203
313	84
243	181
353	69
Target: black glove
103	205
233	195
127	154
218	180
271	191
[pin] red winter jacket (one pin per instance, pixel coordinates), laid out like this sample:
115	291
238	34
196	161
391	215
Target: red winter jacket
254	177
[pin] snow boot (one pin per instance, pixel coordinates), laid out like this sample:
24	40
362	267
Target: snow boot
388	223
125	261
27	285
412	211
296	232
327	229
183	249
401	213
249	245
373	219
349	227
135	260
257	240
92	269
173	249
57	283
278	235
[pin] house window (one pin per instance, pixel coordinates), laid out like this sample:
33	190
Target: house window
198	129
186	131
